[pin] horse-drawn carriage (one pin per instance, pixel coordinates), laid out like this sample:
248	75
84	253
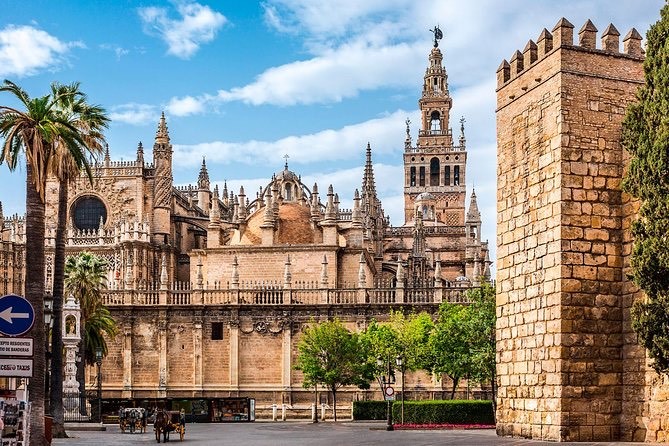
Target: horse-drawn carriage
132	419
169	421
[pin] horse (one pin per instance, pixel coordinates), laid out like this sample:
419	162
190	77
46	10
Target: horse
162	424
133	417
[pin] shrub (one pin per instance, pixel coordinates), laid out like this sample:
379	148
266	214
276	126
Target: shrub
446	412
369	410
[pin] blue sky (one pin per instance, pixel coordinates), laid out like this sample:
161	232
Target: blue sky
244	82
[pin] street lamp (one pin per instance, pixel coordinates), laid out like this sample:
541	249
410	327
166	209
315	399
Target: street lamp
385	381
48	324
400	365
98	361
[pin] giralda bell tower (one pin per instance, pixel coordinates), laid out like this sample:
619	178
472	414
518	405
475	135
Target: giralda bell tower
434	170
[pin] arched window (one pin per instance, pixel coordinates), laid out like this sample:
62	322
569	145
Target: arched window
87	212
447	176
434	172
412	176
421	176
289	192
435	122
456	176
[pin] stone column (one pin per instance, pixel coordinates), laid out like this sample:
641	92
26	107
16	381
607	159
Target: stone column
127	360
197	356
234	355
286	351
162	356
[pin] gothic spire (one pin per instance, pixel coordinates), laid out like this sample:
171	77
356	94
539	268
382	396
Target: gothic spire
473	214
203	177
463	140
107	159
368	185
162	135
419	237
140	153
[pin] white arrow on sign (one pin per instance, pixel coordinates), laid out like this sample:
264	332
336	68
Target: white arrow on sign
7	315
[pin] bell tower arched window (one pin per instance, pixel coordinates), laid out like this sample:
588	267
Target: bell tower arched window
434	171
412	176
447	176
421	176
435	122
456	176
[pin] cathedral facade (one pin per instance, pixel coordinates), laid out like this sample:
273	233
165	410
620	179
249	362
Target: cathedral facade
211	288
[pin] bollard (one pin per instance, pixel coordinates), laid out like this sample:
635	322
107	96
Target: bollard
273	412
314	415
283	412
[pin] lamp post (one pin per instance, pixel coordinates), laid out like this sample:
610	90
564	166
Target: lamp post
48	323
400	365
98	361
385	380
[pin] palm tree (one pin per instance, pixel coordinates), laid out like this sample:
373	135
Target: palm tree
32	131
66	164
85	278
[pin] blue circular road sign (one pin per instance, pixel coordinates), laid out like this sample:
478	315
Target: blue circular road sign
16	315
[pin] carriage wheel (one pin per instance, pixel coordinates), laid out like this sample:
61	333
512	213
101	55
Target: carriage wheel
182	432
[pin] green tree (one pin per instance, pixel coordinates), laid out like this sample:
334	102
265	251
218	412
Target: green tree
330	355
68	159
645	136
449	344
481	321
85	278
31	130
462	344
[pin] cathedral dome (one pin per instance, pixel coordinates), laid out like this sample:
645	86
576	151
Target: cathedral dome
286	175
424	196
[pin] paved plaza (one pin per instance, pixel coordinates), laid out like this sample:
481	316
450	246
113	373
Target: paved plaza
303	433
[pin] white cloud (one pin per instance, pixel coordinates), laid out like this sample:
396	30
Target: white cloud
134	114
24	50
185	106
117	50
327	19
197	24
385	134
332	76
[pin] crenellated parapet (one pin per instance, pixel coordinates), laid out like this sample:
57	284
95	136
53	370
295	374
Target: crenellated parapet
562	37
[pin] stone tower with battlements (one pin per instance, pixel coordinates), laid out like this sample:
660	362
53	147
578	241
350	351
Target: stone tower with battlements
568	365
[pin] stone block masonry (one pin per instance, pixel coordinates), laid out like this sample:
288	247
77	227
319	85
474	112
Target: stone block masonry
566	353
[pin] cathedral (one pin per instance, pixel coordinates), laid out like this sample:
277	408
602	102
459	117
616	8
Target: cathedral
211	287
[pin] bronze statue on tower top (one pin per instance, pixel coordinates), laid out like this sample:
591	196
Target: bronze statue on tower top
438	35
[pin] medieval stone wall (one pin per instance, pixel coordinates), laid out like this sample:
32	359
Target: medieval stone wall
568	363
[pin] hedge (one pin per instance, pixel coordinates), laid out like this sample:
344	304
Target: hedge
429	411
369	410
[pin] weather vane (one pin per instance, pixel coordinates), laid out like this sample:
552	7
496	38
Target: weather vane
438	35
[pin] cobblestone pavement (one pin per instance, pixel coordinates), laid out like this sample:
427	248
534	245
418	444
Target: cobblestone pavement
303	433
